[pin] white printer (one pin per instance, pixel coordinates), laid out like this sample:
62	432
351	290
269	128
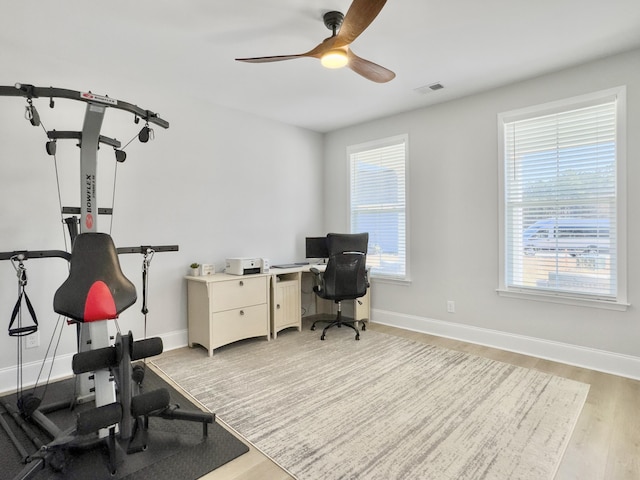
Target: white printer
243	266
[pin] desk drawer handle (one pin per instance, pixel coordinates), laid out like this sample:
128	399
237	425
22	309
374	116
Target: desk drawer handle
241	312
278	306
241	283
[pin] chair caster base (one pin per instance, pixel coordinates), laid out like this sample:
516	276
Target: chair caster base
322	337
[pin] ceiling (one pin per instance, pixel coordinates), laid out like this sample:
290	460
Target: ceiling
190	46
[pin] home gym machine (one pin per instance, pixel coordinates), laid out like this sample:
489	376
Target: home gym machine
96	290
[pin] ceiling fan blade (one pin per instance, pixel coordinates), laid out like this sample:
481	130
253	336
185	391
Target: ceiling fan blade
369	70
359	16
276	58
316	52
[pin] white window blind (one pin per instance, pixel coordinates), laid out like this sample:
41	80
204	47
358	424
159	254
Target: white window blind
378	203
561	231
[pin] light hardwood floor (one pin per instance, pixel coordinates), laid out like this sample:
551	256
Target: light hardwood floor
605	444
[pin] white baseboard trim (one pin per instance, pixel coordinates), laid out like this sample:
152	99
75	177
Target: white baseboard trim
591	358
175	339
30	371
62	365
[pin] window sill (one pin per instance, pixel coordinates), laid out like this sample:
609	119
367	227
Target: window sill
391	280
564	299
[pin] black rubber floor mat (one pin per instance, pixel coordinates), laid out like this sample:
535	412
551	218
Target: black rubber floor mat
176	449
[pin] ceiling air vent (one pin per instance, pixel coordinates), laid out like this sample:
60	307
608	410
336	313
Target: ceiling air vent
429	88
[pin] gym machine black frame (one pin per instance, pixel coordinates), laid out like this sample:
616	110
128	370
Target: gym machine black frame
93	336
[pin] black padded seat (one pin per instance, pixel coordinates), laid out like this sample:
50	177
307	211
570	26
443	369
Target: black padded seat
96	288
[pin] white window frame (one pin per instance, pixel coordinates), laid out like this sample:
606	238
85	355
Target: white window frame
620	300
380	143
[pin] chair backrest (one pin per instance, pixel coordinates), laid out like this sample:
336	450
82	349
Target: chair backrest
96	288
345	276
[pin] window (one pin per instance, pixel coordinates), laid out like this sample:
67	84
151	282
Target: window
378	203
563	200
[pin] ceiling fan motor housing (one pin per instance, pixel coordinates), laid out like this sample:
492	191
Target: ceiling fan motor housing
333	20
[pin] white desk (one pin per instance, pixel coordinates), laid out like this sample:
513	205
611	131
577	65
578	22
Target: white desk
225	308
311	304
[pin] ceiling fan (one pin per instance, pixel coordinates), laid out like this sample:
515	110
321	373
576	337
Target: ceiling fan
334	52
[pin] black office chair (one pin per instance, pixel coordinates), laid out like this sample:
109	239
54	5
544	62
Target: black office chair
345	277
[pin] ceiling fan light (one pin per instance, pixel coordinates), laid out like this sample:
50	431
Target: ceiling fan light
334	59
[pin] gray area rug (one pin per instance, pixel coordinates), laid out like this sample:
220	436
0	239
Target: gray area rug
383	407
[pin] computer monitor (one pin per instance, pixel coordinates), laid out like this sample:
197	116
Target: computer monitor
316	247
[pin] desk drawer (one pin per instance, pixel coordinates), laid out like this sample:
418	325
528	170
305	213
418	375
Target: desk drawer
233	294
232	325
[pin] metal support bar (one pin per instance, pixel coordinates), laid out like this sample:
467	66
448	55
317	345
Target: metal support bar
94	114
66	134
144	248
30	91
21	450
76	211
33	437
27	254
174	413
45	424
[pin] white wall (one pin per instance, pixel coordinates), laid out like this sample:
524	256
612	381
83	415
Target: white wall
219	183
453	222
222	183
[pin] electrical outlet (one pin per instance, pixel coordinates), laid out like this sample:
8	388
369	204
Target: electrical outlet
451	306
32	341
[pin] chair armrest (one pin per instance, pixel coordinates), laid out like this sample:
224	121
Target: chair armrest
317	279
